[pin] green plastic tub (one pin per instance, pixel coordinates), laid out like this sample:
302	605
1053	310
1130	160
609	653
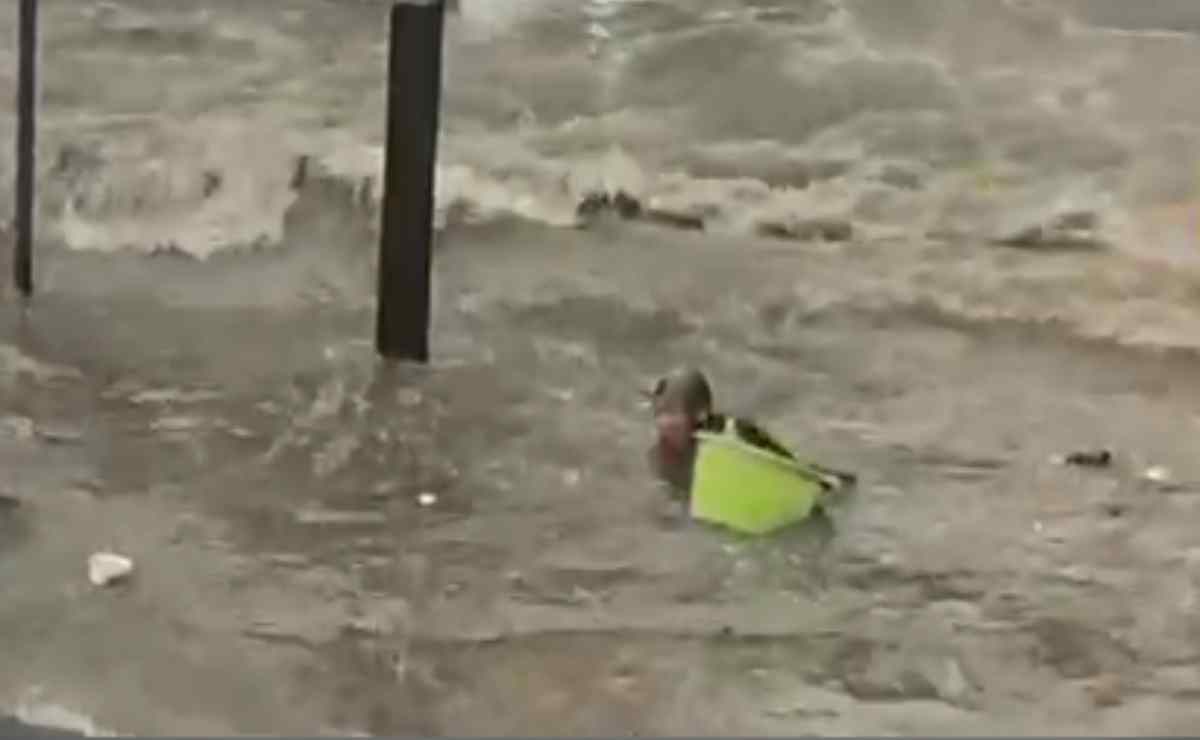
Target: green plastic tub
749	489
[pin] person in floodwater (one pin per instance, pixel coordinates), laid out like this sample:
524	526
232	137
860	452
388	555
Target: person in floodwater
683	405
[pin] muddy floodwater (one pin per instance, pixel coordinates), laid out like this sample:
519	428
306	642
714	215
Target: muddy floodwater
935	258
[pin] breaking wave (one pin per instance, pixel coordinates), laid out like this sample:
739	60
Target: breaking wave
1056	147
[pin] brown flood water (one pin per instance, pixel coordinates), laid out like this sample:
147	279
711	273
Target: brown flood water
264	473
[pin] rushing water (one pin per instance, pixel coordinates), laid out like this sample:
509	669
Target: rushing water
1006	196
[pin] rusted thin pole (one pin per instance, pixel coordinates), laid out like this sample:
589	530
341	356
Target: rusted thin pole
406	241
26	138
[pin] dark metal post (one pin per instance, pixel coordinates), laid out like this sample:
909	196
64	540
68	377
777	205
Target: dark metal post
26	138
414	92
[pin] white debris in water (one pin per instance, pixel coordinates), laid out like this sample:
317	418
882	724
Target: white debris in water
1157	474
105	568
572	478
427	499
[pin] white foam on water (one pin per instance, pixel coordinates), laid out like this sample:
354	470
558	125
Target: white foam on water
896	121
34	709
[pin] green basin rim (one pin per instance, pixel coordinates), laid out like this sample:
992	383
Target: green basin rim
764	455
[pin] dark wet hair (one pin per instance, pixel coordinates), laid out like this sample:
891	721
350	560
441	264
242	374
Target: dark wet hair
689	387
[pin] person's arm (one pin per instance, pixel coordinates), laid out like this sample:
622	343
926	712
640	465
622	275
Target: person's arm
759	437
752	433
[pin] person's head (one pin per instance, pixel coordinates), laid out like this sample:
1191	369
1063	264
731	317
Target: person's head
681	401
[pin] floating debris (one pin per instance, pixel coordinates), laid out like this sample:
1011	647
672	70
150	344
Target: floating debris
427	499
1072	231
626	205
629	208
596	202
106	568
1087	458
